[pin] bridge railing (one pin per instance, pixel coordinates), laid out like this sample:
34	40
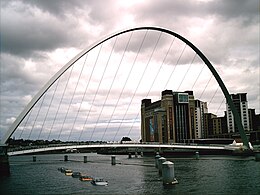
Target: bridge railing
71	144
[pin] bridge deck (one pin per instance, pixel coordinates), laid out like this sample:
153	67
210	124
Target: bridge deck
172	146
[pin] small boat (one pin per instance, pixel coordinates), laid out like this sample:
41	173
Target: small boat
99	182
68	172
76	174
85	178
62	169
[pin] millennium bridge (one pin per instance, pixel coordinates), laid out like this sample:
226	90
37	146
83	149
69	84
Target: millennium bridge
97	94
139	147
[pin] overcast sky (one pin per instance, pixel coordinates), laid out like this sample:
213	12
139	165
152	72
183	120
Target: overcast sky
38	37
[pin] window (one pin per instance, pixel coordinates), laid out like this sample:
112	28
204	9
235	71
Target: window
183	98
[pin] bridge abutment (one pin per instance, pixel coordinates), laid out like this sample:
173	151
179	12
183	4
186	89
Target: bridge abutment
4	161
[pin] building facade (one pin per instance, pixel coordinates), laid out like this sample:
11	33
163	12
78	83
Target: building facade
241	104
178	117
173	119
200	110
219	125
208	124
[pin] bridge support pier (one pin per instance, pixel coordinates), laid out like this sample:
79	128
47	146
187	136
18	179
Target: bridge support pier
157	160
197	155
168	176
113	160
160	162
85	159
4	162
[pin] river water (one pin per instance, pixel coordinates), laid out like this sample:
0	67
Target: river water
208	175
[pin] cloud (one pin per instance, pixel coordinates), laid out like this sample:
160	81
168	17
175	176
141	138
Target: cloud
208	24
9	121
39	37
27	29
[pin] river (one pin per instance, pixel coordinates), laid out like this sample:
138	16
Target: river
207	175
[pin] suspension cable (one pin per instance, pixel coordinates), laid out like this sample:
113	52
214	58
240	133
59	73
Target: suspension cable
74	122
112	50
73	96
55	90
46	114
153	83
61	100
37	115
206	86
94	67
213	96
175	66
118	67
139	49
187	71
27	119
220	105
141	78
198	76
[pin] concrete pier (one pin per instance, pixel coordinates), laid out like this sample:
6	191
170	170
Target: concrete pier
129	155
156	160
66	158
113	160
4	162
34	158
168	175
197	155
85	159
160	162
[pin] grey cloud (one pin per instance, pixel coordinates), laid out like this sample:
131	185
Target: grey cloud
25	32
97	12
31	30
232	23
16	75
57	7
170	11
30	26
248	10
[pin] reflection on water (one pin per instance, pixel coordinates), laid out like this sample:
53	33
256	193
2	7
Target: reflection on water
208	175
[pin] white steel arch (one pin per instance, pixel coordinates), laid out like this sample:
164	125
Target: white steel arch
37	97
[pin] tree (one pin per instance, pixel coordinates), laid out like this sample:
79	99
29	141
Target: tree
125	139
